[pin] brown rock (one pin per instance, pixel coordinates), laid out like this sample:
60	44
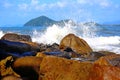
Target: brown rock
16	37
113	60
40	54
106	52
28	67
11	77
103	72
77	44
55	68
5	67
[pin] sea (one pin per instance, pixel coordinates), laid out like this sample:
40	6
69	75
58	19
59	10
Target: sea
100	38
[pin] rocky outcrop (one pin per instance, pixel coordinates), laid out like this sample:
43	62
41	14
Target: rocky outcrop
77	44
54	68
67	61
16	37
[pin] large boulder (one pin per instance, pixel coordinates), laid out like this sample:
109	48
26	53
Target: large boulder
104	72
77	44
55	68
16	37
18	47
28	67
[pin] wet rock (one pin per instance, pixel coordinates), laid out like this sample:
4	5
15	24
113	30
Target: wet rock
112	60
77	44
42	47
28	67
33	45
55	68
17	47
106	52
16	37
94	56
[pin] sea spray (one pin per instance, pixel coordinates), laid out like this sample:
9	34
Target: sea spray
1	34
54	34
111	43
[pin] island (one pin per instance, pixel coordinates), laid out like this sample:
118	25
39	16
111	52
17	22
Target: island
45	21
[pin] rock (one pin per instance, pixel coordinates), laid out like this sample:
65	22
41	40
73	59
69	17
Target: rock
11	77
43	47
76	44
16	47
55	68
28	67
16	37
106	52
52	48
112	60
104	72
94	56
40	54
5	67
33	45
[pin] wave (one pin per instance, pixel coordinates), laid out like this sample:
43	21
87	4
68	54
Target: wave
111	43
54	34
1	34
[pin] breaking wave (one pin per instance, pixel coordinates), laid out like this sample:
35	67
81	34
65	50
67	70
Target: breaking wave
54	34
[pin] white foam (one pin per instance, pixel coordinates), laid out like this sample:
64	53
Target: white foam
52	34
55	33
111	43
1	34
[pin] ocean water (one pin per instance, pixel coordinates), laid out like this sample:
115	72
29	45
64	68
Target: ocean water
105	38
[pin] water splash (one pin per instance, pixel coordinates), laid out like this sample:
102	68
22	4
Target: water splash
1	34
54	34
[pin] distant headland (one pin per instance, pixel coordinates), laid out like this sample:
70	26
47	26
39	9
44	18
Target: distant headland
45	21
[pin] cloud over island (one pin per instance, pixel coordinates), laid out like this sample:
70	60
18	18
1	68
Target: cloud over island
60	9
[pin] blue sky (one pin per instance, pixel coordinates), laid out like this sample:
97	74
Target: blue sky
13	12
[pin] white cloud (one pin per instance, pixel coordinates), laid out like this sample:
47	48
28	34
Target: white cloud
57	4
101	3
34	2
23	6
7	5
